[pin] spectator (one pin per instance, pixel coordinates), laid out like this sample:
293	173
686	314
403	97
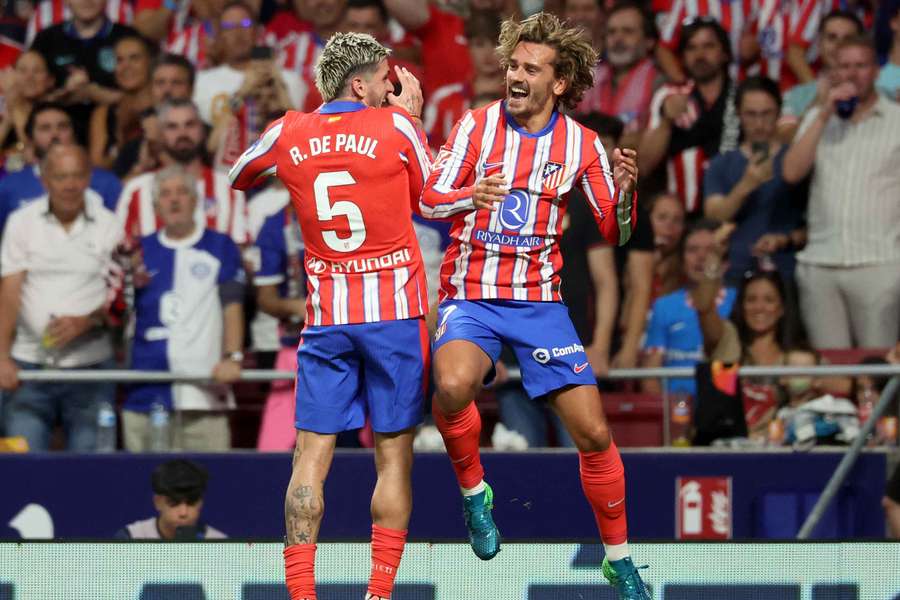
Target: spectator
849	272
666	215
690	123
178	489
53	12
447	104
81	57
54	258
745	187
240	77
836	28
182	28
674	337
113	125
182	141
624	82
172	78
591	16
891	500
47	125
888	82
23	86
189	284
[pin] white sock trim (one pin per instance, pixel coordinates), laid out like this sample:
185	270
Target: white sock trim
616	551
473	491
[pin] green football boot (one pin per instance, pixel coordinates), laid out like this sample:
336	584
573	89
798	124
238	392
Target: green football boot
483	534
624	576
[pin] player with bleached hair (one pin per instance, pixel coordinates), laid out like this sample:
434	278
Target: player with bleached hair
355	169
504	176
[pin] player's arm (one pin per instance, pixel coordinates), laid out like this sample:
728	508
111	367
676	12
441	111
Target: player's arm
602	267
445	194
612	194
258	160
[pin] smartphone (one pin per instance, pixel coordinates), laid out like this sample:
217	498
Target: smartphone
261	53
760	150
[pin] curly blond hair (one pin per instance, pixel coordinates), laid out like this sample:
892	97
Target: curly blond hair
575	56
345	56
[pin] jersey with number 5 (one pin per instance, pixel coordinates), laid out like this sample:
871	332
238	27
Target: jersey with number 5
355	175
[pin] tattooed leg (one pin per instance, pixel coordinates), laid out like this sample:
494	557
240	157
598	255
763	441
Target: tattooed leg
304	503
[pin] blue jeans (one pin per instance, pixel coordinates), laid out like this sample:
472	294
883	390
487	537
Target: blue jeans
529	418
33	409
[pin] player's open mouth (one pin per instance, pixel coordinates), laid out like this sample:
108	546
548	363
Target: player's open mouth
517	92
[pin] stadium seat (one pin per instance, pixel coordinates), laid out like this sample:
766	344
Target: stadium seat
635	419
172	591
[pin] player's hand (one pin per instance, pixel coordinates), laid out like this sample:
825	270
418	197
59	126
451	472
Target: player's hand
9	374
226	371
410	98
625	169
64	330
489	191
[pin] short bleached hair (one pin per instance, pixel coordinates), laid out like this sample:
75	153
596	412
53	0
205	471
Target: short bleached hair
345	56
174	172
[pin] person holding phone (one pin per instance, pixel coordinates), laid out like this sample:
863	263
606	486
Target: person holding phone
745	187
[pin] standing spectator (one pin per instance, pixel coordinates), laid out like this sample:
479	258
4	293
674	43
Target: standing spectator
178	489
690	123
80	54
836	28
182	139
188	318
113	125
22	87
240	76
849	272
745	187
591	16
53	12
54	258
47	125
674	337
889	78
624	82
172	78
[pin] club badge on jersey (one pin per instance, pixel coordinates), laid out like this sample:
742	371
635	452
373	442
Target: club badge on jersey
553	175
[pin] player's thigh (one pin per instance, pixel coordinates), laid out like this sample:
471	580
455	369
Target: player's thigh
394	365
548	349
581	411
466	346
330	395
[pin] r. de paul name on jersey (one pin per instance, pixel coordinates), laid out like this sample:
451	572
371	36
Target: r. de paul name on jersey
362	145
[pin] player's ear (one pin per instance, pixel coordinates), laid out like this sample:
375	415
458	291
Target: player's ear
559	86
358	87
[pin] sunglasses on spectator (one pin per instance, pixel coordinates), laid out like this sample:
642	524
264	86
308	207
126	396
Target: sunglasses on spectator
242	24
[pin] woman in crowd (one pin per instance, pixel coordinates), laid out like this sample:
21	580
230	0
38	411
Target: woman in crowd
667	219
22	86
114	124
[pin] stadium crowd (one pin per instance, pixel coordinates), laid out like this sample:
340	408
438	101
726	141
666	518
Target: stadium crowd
768	138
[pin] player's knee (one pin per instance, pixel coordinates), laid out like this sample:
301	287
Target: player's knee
593	438
454	390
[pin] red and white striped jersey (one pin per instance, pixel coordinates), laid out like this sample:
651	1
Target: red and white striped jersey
355	175
628	99
513	252
443	109
734	15
191	41
297	53
53	12
219	207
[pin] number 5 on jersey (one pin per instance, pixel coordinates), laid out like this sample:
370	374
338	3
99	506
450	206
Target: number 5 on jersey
326	211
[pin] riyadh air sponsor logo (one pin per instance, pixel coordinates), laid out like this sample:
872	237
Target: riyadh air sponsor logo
317	266
514	210
506	239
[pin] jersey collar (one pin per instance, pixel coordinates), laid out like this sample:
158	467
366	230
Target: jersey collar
341	106
522	131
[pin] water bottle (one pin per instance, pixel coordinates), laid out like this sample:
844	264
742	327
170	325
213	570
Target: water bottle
159	428
680	423
106	427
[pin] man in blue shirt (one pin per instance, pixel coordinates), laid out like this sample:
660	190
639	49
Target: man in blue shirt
49	124
674	338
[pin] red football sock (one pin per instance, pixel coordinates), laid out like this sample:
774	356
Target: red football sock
461	432
299	571
603	482
387	548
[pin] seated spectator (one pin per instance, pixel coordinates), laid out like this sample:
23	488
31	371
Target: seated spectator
178	489
888	82
866	392
172	78
80	55
625	81
690	123
23	87
240	77
745	187
53	12
849	272
836	28
47	125
182	142
113	125
54	257
666	216
795	391
674	337
189	284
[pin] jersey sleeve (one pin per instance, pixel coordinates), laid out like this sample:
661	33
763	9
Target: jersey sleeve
272	249
415	155
444	195
257	161
614	210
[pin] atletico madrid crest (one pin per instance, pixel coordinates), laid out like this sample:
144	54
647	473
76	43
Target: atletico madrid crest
553	175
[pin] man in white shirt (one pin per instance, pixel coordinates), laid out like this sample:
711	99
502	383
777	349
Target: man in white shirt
53	260
849	273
